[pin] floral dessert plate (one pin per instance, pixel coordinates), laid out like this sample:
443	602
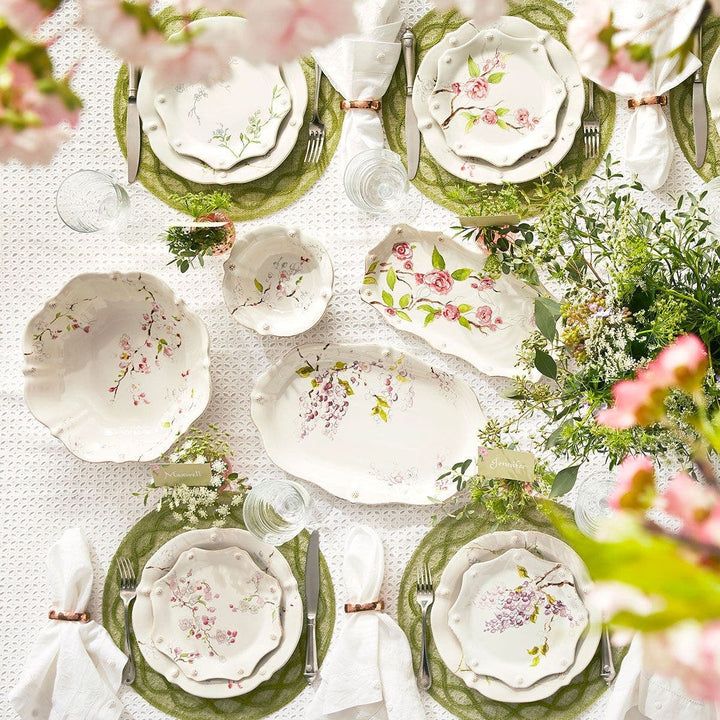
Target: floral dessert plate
116	366
277	281
229	121
434	287
268	560
497	97
518	618
216	614
535	163
366	423
487	548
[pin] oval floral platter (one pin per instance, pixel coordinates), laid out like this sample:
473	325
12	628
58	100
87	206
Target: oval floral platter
434	287
366	423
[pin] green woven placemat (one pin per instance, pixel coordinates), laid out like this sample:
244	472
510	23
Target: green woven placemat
437	548
681	110
139	544
253	199
432	180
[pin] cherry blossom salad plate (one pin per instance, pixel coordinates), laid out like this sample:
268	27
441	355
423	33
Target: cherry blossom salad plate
278	281
485	549
518	618
247	170
531	165
116	366
363	422
497	97
268	560
434	287
216	614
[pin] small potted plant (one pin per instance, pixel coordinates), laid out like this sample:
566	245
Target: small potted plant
194	242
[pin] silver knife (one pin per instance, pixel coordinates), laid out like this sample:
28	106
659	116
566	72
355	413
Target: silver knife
412	133
700	121
133	125
312	594
607	669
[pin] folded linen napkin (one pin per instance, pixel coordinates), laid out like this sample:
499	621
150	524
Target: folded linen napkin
360	67
369	672
74	670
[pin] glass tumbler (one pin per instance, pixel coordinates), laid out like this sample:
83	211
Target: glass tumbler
276	510
88	201
592	506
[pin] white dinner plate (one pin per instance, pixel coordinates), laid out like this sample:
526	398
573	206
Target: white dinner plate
712	88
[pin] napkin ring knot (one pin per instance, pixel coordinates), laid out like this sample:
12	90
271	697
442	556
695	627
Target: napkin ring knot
82	617
661	100
364	607
360	105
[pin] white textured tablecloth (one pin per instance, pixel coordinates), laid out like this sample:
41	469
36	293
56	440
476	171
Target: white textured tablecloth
45	489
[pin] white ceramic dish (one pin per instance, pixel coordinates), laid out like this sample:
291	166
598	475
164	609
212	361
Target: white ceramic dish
456	308
518	618
497	98
712	89
268	559
252	169
527	168
486	548
363	422
216	614
116	366
277	281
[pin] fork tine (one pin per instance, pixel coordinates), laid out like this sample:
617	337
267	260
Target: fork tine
419	583
318	151
428	575
307	150
597	142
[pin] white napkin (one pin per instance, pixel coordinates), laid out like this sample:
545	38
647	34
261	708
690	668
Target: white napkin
648	144
638	694
360	67
74	670
369	672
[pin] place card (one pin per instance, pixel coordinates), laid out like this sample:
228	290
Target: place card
191	474
507	464
488	220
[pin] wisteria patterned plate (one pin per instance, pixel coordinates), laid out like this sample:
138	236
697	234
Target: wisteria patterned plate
485	549
229	121
518	618
497	97
366	423
277	281
434	287
216	614
116	366
268	560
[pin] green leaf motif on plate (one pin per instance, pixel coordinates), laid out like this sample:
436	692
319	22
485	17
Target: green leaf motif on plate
387	298
403	315
495	78
473	67
258	286
461	274
438	261
369	280
465	323
391	278
405	300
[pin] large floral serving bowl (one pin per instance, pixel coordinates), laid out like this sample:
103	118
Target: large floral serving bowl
116	366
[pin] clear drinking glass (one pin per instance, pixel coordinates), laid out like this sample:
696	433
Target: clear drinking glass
592	506
88	201
276	510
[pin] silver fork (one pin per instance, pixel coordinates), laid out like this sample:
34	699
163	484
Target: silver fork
316	138
424	596
591	126
128	591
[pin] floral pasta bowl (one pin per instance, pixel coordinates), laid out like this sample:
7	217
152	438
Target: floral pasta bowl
216	614
278	281
116	366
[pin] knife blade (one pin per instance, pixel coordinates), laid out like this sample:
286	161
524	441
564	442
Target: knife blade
412	132
312	595
700	121
133	125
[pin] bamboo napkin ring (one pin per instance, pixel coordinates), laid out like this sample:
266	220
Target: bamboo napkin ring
360	105
661	100
82	617
364	607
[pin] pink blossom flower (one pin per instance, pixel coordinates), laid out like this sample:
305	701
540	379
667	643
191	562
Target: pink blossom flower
451	312
481	11
489	117
583	34
439	280
390	311
688	500
624	62
455	88
419	278
408	265
23	16
402	251
477	88
484	315
635	487
635	402
522	117
682	364
612	597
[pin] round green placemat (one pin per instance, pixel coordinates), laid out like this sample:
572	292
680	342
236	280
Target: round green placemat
154	530
436	549
435	182
681	110
253	199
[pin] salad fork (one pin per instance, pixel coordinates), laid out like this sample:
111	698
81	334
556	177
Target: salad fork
128	591
591	126
424	596
316	138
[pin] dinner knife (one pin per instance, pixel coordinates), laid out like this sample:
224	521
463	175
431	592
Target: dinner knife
412	132
700	121
133	125
312	595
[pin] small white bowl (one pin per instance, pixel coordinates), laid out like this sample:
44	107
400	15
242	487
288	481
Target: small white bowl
278	281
